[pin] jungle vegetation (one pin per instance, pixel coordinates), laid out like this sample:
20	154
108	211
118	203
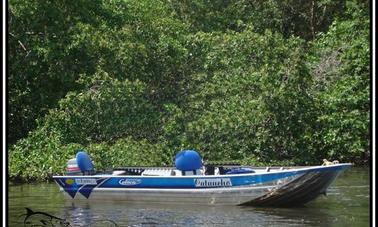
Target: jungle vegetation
132	82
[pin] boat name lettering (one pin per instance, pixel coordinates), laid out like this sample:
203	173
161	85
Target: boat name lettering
218	182
129	181
87	181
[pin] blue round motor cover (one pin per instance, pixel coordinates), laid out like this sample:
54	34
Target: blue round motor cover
187	160
84	161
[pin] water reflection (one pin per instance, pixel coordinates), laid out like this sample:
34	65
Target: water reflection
84	216
134	214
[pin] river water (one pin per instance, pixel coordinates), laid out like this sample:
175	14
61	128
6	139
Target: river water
347	204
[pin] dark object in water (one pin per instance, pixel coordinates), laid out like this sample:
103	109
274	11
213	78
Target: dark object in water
37	218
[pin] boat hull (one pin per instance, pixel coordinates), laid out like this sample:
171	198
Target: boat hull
234	196
280	188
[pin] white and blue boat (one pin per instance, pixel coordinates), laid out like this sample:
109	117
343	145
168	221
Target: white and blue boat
192	182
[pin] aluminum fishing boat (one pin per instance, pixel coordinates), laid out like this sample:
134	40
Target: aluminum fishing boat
191	182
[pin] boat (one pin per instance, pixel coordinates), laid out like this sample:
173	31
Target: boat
191	181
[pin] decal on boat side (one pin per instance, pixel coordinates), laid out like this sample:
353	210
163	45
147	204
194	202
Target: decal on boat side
86	181
129	182
219	182
69	181
84	186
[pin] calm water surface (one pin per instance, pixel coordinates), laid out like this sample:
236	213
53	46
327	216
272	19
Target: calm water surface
346	204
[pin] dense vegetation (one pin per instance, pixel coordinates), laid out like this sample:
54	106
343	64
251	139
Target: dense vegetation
133	82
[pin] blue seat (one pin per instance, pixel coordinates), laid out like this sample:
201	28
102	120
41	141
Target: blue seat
188	160
84	162
239	171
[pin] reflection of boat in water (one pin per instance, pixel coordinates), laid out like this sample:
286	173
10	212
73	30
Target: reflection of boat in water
190	182
180	214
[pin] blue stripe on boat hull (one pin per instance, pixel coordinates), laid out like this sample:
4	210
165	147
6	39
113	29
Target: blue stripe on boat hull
166	182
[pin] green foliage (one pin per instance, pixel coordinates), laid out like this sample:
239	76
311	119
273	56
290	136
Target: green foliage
52	155
107	110
288	17
52	43
44	60
252	100
36	158
133	82
343	92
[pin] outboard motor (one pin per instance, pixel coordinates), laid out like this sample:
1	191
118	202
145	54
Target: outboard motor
188	162
84	163
72	167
